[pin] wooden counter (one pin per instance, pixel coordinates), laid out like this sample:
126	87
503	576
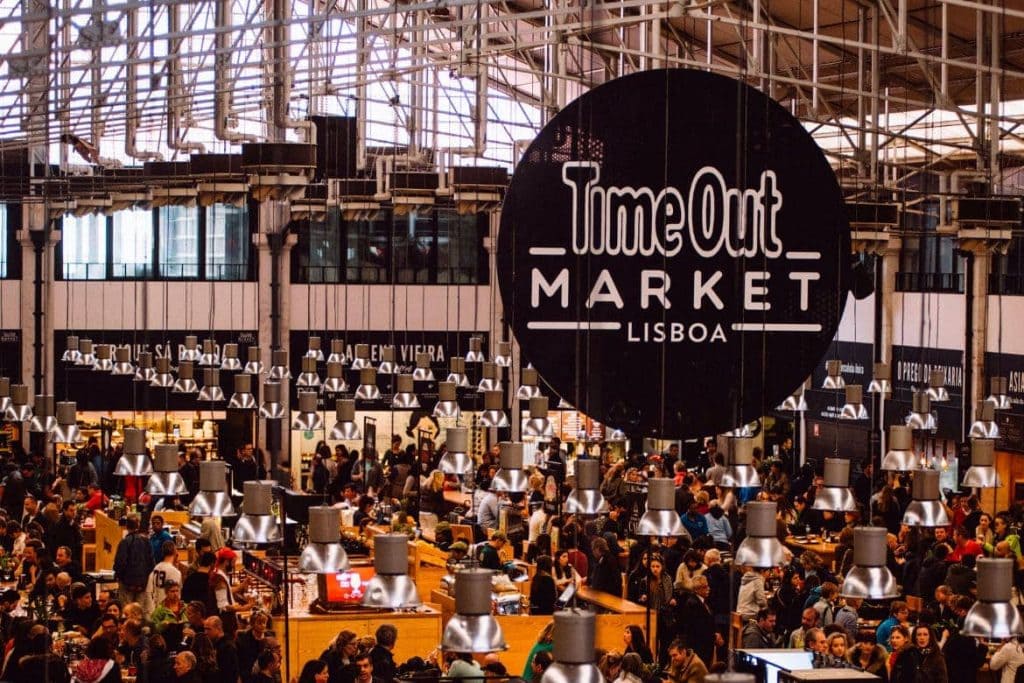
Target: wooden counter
108	535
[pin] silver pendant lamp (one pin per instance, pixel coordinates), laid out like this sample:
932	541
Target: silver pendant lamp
998	397
739	468
743	431
104	358
404	396
367	389
308	377
493	414
145	371
257	525
510	477
982	472
926	509
528	384
834	376
456	459
362	359
186	383
573	649
272	408
391	587
335	382
423	371
324	554
661	518
19	410
472	628
71	352
165	479
253	362
345	427
489	380
337	354
586	498
210	356
133	461
447	404
190	351
308	419
315	350
984	425
921	415
476	352
835	495
86	357
67	424
211	390
881	379
212	499
854	408
242	398
796	402
869	578
387	364
279	365
123	362
538	425
993	617
457	372
5	395
503	358
44	418
162	377
229	360
937	386
900	456
761	548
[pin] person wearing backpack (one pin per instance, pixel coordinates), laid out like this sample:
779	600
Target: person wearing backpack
132	563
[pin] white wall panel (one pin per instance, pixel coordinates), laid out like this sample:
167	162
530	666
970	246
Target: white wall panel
935	321
858	321
1006	316
11	292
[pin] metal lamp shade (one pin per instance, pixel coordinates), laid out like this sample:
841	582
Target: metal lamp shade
457	372
315	350
186	383
661	518
510	478
242	398
367	389
345	427
984	425
324	554
573	651
104	358
123	362
19	409
447	404
489	380
835	494
998	396
145	371
937	386
503	358
881	379
391	587
166	480
190	351
423	372
256	524
387	361
900	456
253	364
212	499
162	377
335	382
796	403
834	376
493	414
86	357
362	359
5	395
538	425
472	629
982	472
210	356
134	461
854	408
337	354
586	498
475	353
229	359
308	419
71	353
404	396
44	418
272	408
921	416
925	510
739	469
279	365
761	548
992	616
67	424
211	390
528	387
456	459
308	377
869	578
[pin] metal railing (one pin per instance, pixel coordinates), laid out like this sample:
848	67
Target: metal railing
227	272
946	283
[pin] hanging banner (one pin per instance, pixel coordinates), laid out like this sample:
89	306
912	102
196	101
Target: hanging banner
10	355
911	367
1011	421
825	404
674	253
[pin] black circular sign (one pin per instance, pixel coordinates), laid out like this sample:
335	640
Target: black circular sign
674	253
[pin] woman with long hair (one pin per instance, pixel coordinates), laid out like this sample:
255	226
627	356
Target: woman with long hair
563	571
1007	660
314	671
901	667
636	643
869	657
931	664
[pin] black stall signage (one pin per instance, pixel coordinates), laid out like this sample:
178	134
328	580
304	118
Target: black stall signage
826	404
440	345
1011	421
673	254
911	370
10	355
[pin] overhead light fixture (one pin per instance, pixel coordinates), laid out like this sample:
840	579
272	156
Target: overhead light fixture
528	384
900	456
661	518
335	383
423	371
573	649
387	361
71	352
165	479
308	419
104	358
122	362
992	616
67	424
272	408
19	410
984	425
190	352
617	436
493	414
362	359
488	378
869	578
229	360
308	377
472	628
345	427
854	408
510	477
367	389
43	417
564	405
937	386
314	350
133	461
337	354
257	525
390	587
586	498
210	356
253	361
881	379
447	405
475	353
834	376
746	431
739	465
186	383
503	358
162	377
242	398
324	553
761	548
926	509
211	390
212	499
921	416
538	425
456	459
796	402
457	372
404	396
835	495
279	365
982	472
86	357
998	397
5	395
145	372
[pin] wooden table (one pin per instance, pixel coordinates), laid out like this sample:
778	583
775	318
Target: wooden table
825	550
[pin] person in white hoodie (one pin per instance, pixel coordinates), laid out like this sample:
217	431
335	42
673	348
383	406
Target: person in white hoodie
1007	660
752	597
